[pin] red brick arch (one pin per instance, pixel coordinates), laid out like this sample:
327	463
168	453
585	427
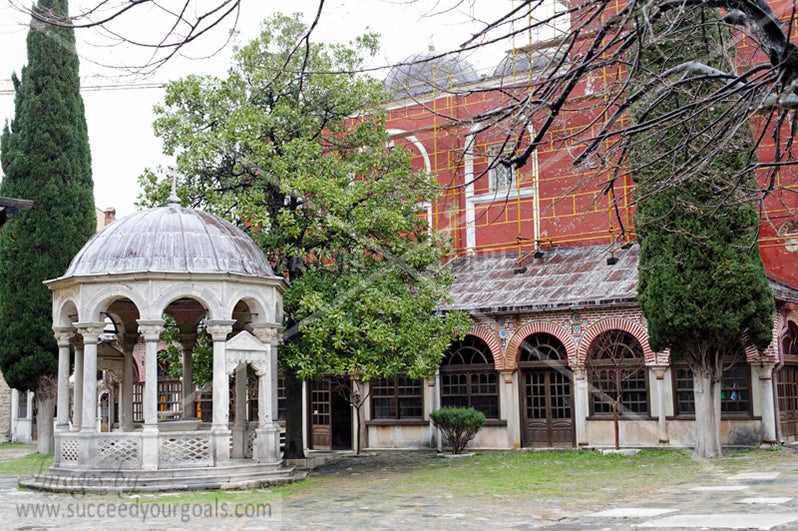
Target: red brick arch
487	335
537	327
615	323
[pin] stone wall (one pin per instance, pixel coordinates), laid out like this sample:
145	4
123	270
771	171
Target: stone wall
5	410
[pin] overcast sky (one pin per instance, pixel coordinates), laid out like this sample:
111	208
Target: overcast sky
120	121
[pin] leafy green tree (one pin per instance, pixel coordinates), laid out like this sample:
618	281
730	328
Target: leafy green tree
45	157
702	283
300	158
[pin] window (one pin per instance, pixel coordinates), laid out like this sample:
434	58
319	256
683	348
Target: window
397	398
617	372
735	390
22	409
500	176
468	377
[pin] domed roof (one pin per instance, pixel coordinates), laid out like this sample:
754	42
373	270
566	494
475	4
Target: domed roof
525	62
170	239
429	71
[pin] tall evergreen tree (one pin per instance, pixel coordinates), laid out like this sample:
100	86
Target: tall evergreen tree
45	157
702	283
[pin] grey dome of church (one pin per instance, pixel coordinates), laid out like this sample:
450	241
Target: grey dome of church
170	239
427	72
524	62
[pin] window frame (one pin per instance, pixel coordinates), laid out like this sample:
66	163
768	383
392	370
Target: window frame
739	362
393	387
627	363
473	372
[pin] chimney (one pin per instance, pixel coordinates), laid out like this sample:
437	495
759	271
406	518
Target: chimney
110	215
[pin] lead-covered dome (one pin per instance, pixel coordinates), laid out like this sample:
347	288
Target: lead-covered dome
170	239
427	72
518	63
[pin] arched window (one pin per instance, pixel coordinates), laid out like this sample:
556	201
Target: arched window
542	348
468	377
617	372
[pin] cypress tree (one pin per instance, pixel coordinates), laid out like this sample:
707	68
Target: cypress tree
702	284
45	157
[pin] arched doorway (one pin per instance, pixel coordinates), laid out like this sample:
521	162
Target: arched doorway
547	417
788	385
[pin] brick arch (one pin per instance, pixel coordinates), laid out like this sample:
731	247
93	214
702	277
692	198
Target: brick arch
615	323
538	327
487	335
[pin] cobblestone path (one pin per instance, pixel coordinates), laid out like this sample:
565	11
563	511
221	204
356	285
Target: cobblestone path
758	491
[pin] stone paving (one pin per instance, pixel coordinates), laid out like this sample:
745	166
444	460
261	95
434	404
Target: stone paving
761	493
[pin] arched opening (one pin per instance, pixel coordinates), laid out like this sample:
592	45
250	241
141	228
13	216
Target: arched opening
547	417
787	378
617	375
468	377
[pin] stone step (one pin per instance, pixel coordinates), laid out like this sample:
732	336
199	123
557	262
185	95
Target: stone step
235	477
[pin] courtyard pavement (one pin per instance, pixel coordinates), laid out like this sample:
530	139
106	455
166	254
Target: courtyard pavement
763	495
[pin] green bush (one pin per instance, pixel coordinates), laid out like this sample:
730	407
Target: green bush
459	424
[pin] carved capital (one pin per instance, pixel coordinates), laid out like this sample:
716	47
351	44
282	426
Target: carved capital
219	329
187	340
63	335
150	328
90	331
270	334
659	371
579	372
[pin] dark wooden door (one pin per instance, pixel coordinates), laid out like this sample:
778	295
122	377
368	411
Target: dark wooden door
320	419
547	411
788	401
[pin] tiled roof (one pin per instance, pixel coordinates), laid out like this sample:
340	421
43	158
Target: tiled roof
564	278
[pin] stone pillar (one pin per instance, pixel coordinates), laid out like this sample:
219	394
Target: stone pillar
151	330
267	436
187	342
510	401
220	432
77	398
581	405
90	331
62	335
768	407
240	425
662	421
126	395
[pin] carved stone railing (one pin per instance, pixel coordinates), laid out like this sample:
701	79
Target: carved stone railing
185	449
118	450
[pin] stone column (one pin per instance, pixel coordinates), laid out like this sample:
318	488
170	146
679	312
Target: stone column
62	335
77	398
267	436
581	405
220	431
768	407
126	395
151	330
90	331
187	342
240	425
510	402
662	421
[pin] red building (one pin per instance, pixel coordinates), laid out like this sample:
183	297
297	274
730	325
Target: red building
546	265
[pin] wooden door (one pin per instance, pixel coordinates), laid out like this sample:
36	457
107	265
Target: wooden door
547	412
320	418
788	401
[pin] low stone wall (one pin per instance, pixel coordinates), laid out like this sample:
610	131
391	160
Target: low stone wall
5	410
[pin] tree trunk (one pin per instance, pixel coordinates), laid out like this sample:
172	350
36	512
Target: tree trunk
44	423
707	414
294	445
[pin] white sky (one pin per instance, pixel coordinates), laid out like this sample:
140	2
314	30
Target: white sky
120	121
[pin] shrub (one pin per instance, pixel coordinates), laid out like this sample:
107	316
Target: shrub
460	424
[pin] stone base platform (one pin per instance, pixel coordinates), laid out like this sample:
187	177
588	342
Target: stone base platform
238	474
